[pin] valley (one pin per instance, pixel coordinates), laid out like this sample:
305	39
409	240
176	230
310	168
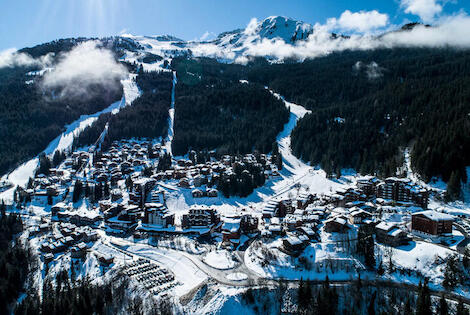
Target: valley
219	186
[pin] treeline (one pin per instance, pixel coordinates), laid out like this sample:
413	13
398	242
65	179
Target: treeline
368	105
214	112
69	296
14	260
116	44
146	118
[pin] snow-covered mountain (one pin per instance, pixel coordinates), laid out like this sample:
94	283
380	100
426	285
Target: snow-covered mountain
273	27
229	45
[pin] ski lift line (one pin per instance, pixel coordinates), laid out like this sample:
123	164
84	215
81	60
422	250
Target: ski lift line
100	139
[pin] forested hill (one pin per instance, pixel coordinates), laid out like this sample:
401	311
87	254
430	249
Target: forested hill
213	110
368	105
146	118
32	115
30	118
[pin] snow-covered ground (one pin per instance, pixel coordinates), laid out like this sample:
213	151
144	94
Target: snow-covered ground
220	259
171	116
187	274
295	172
237	276
315	262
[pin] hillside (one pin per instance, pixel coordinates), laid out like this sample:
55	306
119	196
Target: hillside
146	118
367	106
31	117
215	111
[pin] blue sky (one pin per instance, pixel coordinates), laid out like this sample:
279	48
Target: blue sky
29	22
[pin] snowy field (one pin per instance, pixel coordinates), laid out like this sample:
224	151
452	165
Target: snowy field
220	259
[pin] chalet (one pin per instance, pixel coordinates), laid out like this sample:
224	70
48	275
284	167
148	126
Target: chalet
432	222
269	209
106	259
293	245
116	194
211	192
390	234
284	207
80	217
78	251
59	207
179	174
367	185
231	230
291	222
199	180
308	232
90	236
338	224
359	216
184	182
197	193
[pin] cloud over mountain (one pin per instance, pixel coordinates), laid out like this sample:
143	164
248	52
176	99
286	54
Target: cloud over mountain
85	65
425	9
362	21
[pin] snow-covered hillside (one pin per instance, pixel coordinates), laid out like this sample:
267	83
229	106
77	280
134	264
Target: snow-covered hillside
227	46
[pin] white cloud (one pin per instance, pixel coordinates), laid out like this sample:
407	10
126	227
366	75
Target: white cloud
427	10
251	27
372	70
84	65
362	21
451	31
11	58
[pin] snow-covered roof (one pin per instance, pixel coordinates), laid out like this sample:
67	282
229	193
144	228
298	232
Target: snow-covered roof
293	240
394	231
385	226
435	216
231	224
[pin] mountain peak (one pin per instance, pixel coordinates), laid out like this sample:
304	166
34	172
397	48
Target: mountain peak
288	29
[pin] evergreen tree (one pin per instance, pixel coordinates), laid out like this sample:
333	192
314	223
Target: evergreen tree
461	309
454	190
77	191
44	164
423	303
106	190
365	246
3	209
443	307
129	183
451	273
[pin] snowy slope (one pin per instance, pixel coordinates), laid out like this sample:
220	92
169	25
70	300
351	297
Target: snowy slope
226	47
280	27
171	116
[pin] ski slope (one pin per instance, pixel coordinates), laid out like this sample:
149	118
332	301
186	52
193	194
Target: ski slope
171	117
